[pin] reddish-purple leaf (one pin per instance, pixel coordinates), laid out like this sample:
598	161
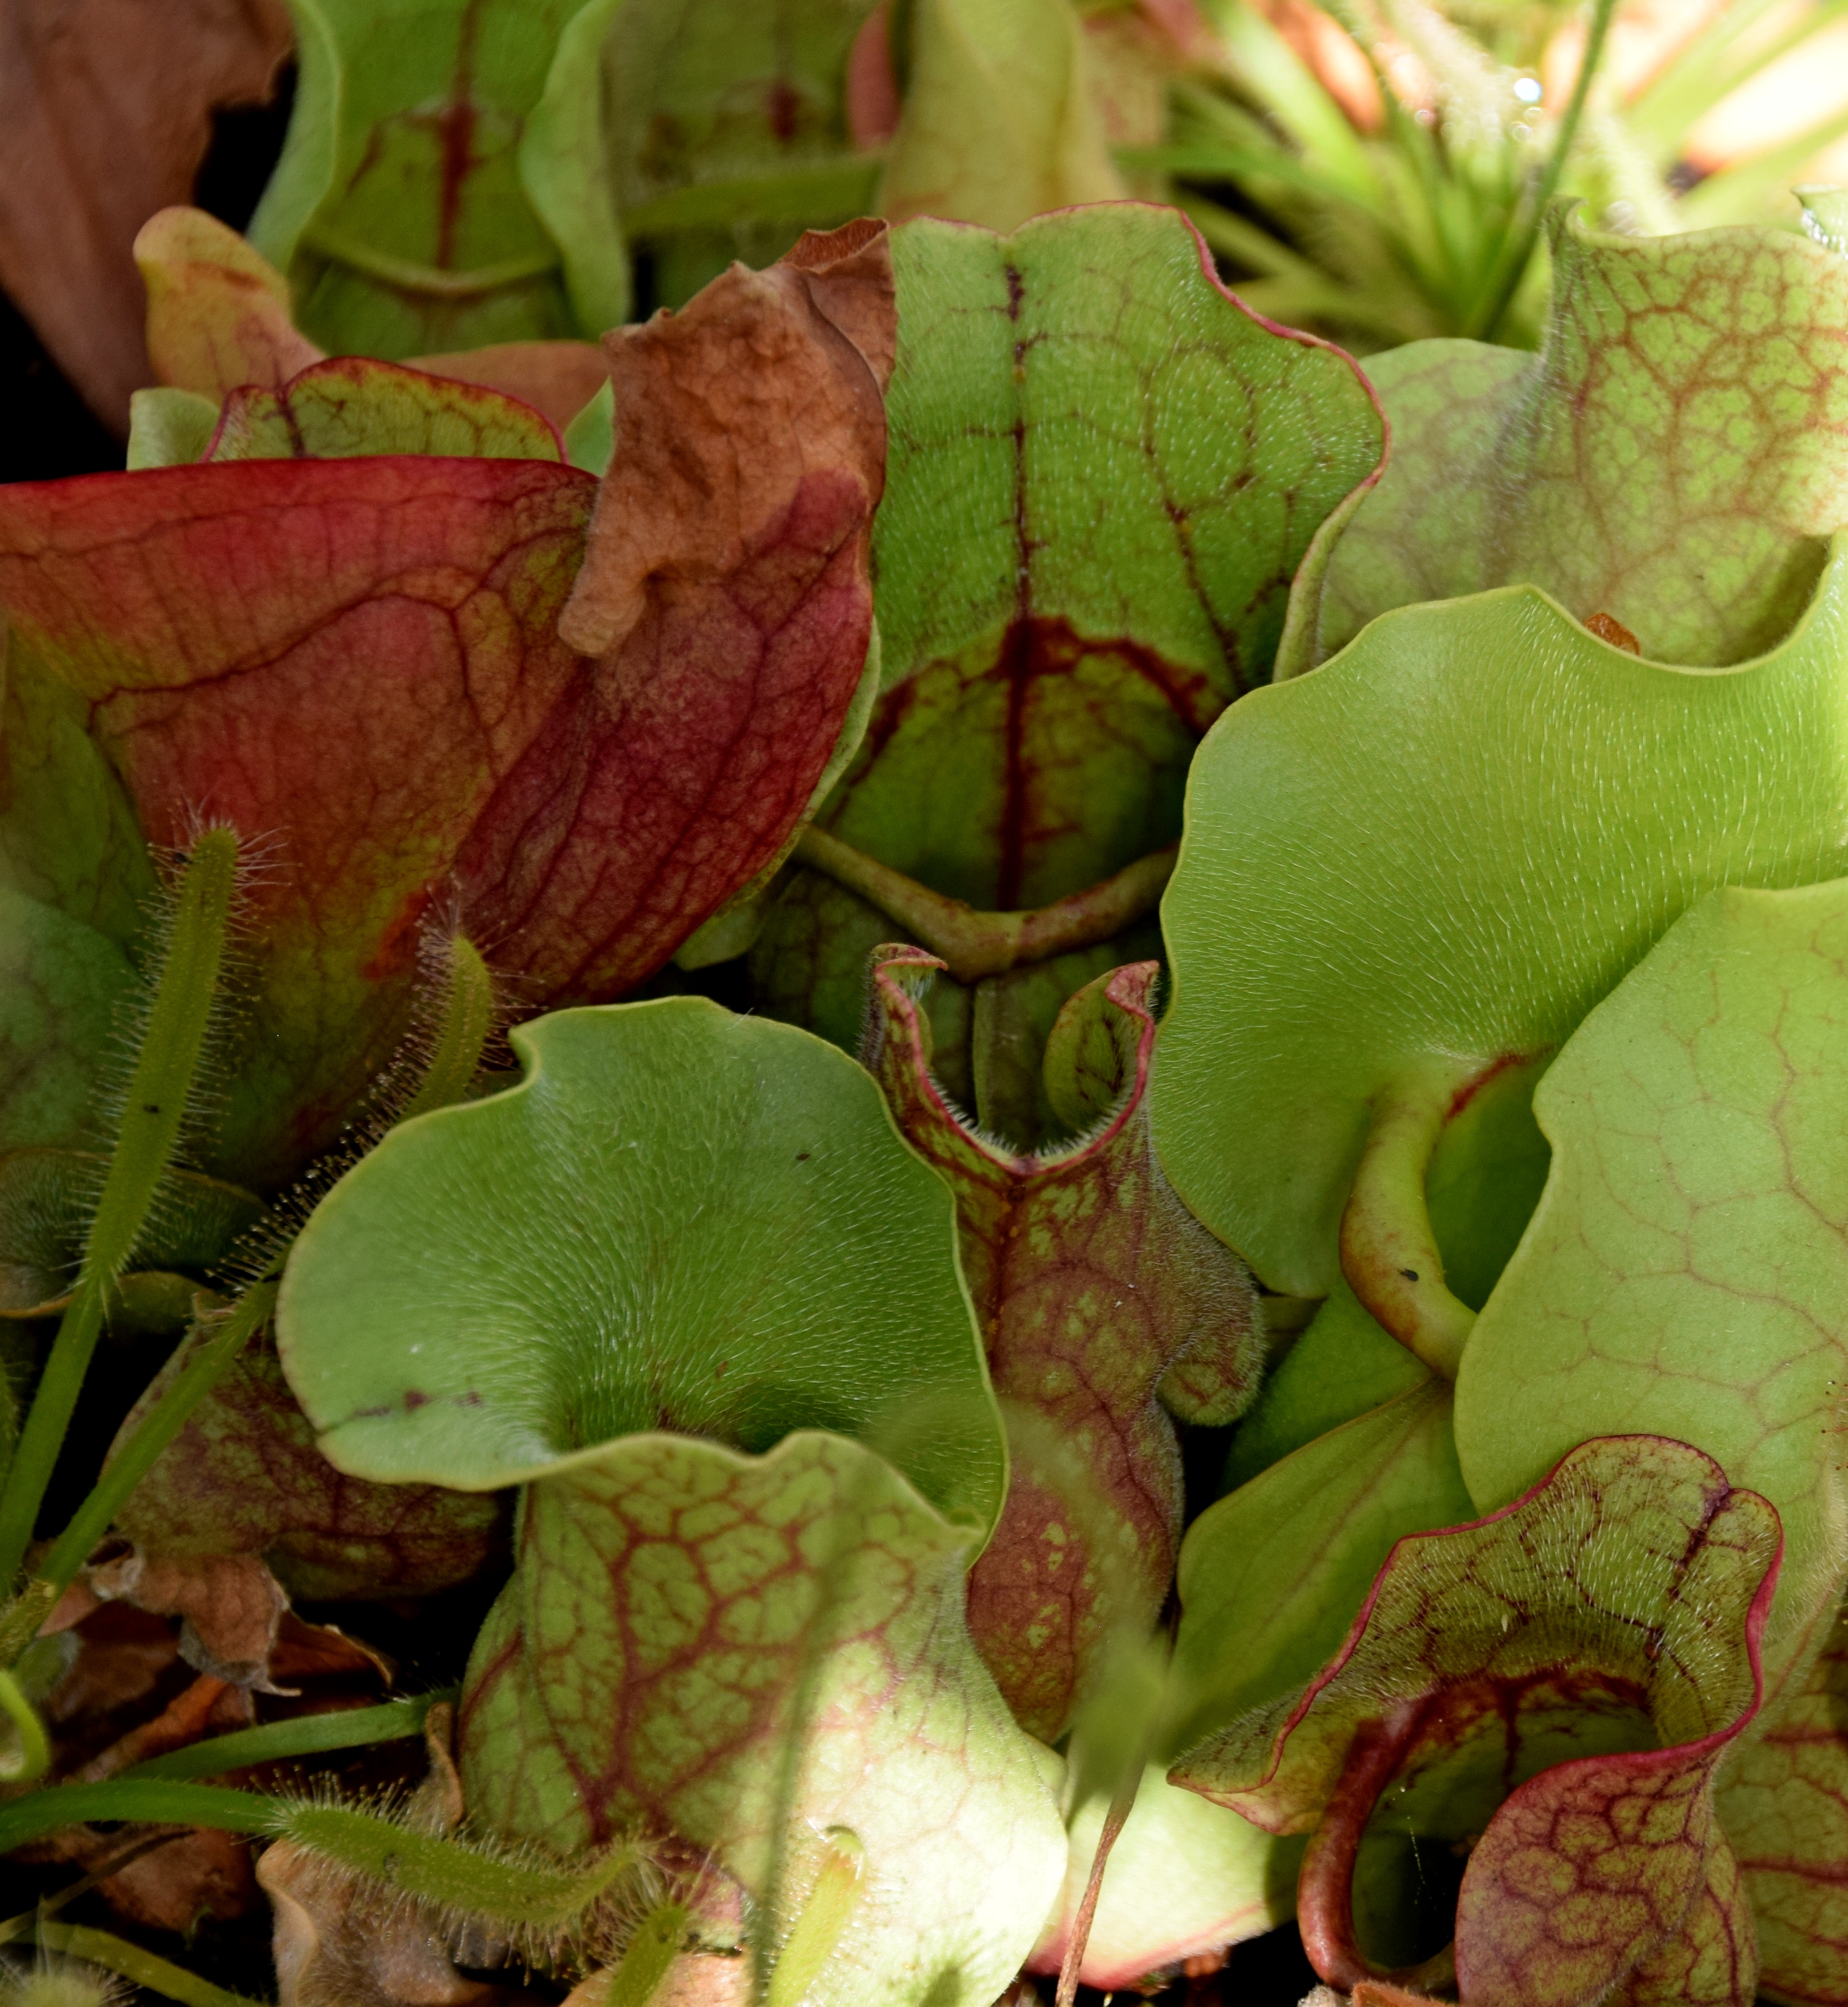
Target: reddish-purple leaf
1550	1689
358	663
1092	1285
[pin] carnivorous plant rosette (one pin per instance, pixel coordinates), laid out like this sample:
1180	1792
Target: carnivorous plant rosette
1090	904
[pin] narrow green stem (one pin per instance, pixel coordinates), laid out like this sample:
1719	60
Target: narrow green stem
153	1113
116	1954
40	1812
34	1757
156	1429
1517	248
275	1741
462	1031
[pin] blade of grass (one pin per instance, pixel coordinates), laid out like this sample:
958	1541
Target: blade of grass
307	1735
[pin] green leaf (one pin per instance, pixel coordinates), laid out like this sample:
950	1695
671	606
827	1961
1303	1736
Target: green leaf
218	310
1670	460
354	405
1345	1363
1102	473
999	123
60	984
680	1219
1684	1274
169	428
1091	1285
440	187
760	1653
727	130
1271	1576
1534	808
1552	1688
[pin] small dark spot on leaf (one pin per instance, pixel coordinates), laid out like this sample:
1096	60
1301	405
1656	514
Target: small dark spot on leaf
413	1399
1411	1275
801	1156
150	1108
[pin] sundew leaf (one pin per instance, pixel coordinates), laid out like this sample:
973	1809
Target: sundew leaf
762	1654
998	121
1553	1686
360	661
1102	474
440	187
1535	807
1091	1284
680	1219
1685	1273
354	405
1671	458
245	1476
727	131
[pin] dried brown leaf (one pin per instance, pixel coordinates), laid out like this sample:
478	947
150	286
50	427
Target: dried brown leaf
231	1605
793	360
105	114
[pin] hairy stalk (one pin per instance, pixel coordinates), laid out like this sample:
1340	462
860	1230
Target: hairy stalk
636	1980
307	1735
463	1028
30	1817
160	1088
478	1880
1517	247
158	1427
116	1954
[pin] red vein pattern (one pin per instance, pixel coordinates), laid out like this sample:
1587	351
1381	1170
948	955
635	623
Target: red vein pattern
1617	1609
1091	1282
359	663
